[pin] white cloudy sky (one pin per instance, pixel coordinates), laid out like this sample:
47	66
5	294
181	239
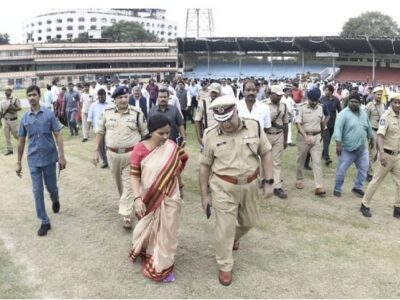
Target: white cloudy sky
231	18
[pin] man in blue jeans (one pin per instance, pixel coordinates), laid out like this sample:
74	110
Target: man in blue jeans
352	128
40	124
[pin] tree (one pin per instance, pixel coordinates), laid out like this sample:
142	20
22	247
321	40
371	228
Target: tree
127	32
83	37
370	23
4	38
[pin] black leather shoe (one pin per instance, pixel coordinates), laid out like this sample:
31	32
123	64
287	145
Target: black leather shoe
9	153
280	193
103	166
369	177
56	207
365	211
396	212
84	140
308	168
43	229
328	162
337	194
359	192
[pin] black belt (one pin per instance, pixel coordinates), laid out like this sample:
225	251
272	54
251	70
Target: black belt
12	119
120	150
313	133
274	132
390	152
374	129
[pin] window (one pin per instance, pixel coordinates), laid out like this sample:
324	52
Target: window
176	28
112	21
48	22
70	27
169	26
48	37
153	25
39	31
93	27
104	20
81	27
81	19
102	27
70	20
162	25
59	20
148	24
32	25
69	36
162	32
93	19
39	23
142	24
58	28
58	36
39	38
169	33
48	30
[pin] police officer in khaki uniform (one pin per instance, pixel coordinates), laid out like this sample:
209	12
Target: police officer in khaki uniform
123	126
374	110
277	135
230	160
389	156
310	124
9	111
204	118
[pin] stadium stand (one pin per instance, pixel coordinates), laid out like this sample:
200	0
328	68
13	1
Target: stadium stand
364	74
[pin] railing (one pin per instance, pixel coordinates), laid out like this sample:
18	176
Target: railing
73	55
103	71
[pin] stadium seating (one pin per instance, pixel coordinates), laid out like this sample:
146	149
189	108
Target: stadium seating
364	74
231	70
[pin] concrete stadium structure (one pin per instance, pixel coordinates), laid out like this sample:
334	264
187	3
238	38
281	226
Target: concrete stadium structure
67	24
26	64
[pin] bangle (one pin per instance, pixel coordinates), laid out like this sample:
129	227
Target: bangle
138	197
181	186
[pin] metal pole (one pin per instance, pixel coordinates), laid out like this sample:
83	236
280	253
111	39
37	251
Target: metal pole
272	65
198	22
302	64
373	67
333	68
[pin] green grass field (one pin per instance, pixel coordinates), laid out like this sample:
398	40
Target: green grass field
303	247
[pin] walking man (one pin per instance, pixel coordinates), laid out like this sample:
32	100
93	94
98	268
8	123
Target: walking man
9	111
230	156
277	135
41	127
121	127
389	156
71	102
310	124
374	109
352	129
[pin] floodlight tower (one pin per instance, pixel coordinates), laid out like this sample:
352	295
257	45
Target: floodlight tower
199	23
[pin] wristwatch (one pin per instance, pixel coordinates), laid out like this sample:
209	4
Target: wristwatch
268	181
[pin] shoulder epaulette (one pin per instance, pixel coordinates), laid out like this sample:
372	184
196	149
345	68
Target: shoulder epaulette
211	128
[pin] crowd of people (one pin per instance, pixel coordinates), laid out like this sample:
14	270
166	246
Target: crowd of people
242	127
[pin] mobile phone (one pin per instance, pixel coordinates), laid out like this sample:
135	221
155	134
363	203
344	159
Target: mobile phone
208	211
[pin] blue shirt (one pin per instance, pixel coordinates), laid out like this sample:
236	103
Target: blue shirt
71	100
39	128
351	129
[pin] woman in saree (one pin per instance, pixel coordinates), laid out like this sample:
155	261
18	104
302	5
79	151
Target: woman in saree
156	165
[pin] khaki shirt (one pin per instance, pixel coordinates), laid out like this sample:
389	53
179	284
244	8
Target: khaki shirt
234	154
310	118
374	112
280	119
122	130
389	127
202	94
9	108
199	116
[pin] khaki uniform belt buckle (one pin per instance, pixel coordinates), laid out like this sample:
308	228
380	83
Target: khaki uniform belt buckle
120	150
241	180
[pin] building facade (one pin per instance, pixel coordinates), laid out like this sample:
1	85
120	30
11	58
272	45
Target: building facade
68	24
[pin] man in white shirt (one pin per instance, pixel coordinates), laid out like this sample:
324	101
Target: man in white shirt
86	101
226	89
290	104
248	107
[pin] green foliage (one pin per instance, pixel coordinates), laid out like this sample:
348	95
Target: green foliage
372	23
4	38
126	32
83	37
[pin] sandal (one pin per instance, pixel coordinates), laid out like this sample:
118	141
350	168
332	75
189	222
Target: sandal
126	223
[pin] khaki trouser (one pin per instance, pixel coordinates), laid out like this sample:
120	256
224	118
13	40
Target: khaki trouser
372	153
120	169
276	141
393	167
236	212
315	152
85	127
10	128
